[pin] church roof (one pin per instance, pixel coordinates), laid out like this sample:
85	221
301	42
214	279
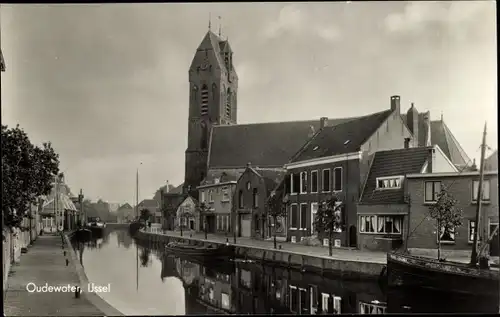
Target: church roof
270	144
491	162
342	138
210	43
442	136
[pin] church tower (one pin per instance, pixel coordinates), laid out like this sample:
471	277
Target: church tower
213	87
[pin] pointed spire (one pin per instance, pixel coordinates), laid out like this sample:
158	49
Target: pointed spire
210	21
220	26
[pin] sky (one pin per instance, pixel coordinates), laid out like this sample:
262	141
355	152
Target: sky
107	84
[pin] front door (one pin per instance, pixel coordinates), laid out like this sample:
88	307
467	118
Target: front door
314	210
494	243
353	236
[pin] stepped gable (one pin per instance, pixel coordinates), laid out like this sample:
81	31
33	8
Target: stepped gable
392	163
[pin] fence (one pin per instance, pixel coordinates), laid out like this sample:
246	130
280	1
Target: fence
8	252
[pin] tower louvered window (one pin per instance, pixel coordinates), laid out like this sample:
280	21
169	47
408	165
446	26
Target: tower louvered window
228	103
204	100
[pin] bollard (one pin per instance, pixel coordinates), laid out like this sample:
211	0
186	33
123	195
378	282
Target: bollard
67	262
77	292
64	252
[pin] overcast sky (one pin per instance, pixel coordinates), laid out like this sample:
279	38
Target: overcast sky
107	84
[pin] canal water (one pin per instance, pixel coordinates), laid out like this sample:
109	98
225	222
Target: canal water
145	281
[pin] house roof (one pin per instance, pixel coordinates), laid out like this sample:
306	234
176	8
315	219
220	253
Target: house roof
172	201
392	163
271	177
125	206
491	163
342	138
149	203
221	176
269	144
64	203
441	136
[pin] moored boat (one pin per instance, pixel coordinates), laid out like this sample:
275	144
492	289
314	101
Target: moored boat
404	270
95	225
200	251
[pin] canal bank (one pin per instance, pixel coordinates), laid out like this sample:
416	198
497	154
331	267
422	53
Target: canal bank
346	264
49	262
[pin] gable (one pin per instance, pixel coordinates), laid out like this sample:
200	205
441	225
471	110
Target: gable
269	144
441	163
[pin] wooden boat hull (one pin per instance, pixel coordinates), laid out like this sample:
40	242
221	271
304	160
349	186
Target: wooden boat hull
224	252
412	271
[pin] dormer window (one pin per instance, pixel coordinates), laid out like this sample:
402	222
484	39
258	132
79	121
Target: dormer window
391	182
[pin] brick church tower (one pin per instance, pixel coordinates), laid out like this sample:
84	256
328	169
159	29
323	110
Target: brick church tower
213	87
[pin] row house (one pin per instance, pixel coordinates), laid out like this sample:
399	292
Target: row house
216	192
383	208
252	191
401	187
335	161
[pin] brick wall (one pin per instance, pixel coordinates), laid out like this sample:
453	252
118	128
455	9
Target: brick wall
424	230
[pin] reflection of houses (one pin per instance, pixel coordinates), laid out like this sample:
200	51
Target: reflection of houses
252	190
217	192
125	213
383	208
58	210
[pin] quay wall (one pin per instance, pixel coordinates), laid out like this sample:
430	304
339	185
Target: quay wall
323	265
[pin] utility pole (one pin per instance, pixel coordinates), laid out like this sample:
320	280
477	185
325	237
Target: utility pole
480	224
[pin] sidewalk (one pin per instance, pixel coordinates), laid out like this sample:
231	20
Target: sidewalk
319	251
45	263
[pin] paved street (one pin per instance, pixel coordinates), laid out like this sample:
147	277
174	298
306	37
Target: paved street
319	251
45	263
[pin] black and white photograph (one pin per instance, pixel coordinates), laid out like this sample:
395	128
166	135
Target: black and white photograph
210	158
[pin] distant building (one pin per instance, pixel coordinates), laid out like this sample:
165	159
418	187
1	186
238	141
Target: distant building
154	207
125	213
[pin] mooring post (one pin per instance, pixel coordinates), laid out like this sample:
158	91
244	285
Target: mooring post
77	292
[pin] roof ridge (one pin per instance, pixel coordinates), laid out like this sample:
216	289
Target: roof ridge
459	147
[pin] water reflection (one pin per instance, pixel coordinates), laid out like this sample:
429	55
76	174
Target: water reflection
189	287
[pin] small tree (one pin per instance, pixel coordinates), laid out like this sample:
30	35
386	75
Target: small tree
277	207
168	214
203	209
145	214
447	215
329	219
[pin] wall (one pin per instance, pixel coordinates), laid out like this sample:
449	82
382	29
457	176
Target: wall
440	163
349	195
377	241
424	235
7	248
219	206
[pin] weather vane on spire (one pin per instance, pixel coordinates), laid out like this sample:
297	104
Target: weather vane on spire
220	26
209	21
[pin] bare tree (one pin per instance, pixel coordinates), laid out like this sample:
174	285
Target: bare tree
203	209
329	219
447	215
277	207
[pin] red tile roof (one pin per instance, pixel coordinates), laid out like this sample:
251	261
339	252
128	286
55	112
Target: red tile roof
342	138
392	163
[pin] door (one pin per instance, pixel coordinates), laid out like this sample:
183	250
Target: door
353	236
245	226
494	243
314	210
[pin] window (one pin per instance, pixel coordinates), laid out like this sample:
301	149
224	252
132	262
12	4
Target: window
225	194
337	179
314	211
249	185
204	100
210	196
240	199
393	182
372	309
326	180
255	198
295	183
218	223
314	181
228	223
303	300
381	224
202	196
432	189
486	190
226	304
294	299
303	216
294	216
228	102
472	229
303	182
447	235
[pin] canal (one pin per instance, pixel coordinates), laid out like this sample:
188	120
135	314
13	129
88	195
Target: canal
145	281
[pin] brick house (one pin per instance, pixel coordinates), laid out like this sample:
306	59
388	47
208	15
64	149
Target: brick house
422	190
383	208
252	190
170	203
335	161
217	192
187	216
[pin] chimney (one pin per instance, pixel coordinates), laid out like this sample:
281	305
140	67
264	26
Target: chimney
407	143
167	189
249	164
412	122
431	158
323	122
427	125
474	166
395	103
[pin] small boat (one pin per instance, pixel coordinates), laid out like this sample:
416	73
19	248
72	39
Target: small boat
200	251
95	225
404	270
82	235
